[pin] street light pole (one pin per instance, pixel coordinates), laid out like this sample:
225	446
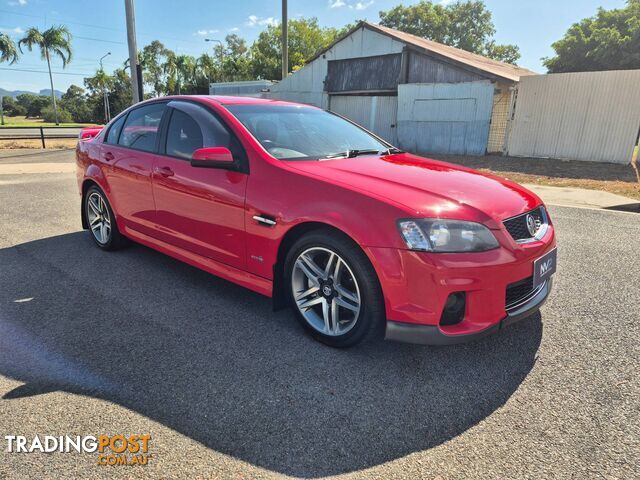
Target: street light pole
105	95
285	40
221	55
136	82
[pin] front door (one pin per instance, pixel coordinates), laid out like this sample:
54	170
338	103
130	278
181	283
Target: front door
199	209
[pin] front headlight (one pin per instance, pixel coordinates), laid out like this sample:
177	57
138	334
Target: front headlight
436	235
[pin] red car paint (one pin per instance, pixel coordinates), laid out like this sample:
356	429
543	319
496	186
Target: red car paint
205	218
89	132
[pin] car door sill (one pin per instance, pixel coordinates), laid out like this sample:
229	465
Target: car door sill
248	280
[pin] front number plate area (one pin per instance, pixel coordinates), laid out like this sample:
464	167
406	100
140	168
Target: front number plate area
544	267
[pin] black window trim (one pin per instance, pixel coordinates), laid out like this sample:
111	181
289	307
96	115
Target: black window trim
240	165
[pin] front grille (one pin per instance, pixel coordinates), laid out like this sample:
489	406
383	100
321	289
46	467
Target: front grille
517	226
520	292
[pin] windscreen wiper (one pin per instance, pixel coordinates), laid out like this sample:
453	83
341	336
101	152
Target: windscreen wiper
393	151
354	153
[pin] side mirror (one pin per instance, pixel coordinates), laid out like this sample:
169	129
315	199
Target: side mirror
212	157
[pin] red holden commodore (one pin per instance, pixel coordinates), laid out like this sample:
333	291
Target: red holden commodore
299	204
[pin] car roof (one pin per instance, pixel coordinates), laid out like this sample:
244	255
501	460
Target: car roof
231	100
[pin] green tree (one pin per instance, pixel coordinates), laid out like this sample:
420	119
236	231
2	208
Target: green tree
462	24
610	40
152	58
33	104
12	108
236	60
306	38
8	50
49	115
53	41
75	102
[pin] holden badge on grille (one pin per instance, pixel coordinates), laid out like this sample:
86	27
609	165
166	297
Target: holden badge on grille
531	225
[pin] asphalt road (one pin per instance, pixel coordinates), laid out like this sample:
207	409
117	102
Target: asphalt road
135	342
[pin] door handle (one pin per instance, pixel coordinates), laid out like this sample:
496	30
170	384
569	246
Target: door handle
109	156
267	220
164	171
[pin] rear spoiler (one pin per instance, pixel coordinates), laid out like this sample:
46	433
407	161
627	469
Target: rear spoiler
87	133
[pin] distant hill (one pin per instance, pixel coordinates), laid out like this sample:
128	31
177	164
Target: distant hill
15	93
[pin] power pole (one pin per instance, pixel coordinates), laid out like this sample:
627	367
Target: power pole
285	40
133	51
105	95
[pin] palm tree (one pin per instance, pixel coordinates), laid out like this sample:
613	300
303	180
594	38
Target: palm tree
53	41
8	50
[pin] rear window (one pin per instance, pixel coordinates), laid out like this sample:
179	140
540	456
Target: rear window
114	130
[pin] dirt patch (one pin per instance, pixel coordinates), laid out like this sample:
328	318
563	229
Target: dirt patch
608	177
37	143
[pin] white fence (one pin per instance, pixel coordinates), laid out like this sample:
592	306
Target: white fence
582	116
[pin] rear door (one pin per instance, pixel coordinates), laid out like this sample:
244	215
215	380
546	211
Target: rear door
129	151
200	209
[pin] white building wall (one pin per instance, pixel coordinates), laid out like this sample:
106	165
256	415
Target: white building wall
581	116
307	84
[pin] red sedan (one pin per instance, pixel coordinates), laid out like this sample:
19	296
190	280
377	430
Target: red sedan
299	204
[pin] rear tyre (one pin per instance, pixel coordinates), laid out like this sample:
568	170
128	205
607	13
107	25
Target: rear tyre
334	290
101	221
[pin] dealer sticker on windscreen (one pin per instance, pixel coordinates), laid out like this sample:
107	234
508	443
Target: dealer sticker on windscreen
544	267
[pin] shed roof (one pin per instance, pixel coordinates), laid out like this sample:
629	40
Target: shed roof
473	60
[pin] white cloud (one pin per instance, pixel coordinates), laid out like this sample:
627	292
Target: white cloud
234	29
254	20
363	5
14	3
17	30
444	3
204	32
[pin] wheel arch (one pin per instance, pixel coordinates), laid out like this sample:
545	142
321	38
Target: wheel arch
288	239
86	184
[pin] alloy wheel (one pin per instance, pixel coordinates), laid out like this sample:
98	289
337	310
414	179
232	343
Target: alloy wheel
326	291
99	218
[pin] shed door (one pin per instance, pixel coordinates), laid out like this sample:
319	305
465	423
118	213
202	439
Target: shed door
445	118
377	114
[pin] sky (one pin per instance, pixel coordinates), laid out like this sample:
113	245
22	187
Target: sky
98	27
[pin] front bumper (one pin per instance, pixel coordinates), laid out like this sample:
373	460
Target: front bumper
433	335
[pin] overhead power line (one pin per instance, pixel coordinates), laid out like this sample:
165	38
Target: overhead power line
99	40
121	30
45	71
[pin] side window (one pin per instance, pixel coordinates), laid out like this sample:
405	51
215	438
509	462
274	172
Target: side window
184	135
141	128
192	126
114	131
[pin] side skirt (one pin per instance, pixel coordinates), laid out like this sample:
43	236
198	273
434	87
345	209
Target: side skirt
245	279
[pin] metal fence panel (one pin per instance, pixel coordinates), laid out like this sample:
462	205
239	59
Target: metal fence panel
375	113
591	116
445	118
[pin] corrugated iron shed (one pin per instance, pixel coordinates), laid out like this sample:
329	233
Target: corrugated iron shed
472	61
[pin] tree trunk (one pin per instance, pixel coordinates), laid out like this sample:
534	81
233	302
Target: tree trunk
53	92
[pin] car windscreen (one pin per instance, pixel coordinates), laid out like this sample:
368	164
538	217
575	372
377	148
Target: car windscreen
291	132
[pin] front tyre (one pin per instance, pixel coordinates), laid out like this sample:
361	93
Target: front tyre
101	220
333	289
